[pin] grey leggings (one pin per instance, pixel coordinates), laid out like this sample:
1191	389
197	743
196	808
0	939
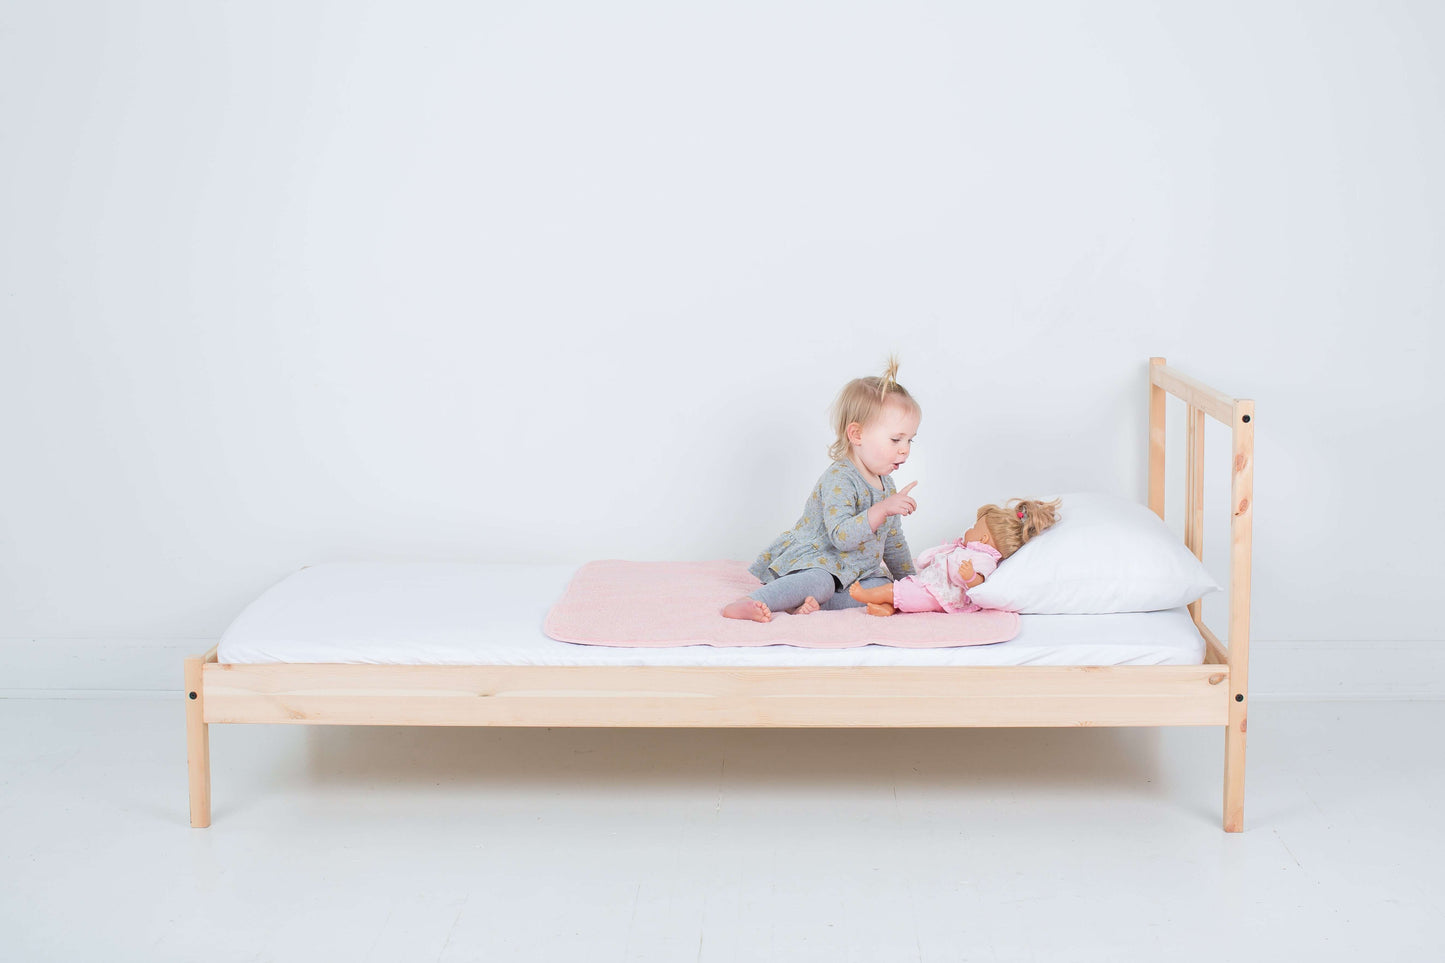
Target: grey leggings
789	591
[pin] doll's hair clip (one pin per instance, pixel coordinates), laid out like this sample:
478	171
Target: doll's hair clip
1021	513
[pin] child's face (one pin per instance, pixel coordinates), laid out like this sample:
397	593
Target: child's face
883	444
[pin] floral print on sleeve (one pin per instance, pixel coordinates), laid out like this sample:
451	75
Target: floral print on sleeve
847	527
895	550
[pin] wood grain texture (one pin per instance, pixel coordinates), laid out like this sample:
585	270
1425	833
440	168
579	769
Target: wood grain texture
853	696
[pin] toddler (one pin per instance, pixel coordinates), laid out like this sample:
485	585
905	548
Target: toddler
946	572
849	522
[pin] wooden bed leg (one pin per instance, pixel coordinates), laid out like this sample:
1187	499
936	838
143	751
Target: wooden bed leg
198	746
1241	538
1234	769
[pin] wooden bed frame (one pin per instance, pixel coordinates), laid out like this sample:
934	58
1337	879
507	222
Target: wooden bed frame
1212	694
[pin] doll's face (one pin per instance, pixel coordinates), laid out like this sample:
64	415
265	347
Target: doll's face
979	533
884	443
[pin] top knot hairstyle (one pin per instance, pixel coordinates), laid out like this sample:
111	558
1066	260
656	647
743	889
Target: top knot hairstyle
1017	522
862	399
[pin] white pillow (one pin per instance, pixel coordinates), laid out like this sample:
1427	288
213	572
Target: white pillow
1104	554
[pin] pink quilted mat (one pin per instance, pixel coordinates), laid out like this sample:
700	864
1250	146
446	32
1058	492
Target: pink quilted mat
655	604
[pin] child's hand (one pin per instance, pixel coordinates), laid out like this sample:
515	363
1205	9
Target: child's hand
899	503
965	570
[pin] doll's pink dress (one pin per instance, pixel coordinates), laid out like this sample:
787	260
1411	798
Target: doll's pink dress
936	587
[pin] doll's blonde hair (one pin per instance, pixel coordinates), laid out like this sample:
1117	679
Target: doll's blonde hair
1017	522
861	400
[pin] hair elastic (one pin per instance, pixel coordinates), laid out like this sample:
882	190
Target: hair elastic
1021	513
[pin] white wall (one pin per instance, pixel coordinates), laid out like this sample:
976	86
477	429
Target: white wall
295	282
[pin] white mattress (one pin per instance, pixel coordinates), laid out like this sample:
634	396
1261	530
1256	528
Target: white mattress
461	614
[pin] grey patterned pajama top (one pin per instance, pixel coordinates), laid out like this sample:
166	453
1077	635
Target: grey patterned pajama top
833	533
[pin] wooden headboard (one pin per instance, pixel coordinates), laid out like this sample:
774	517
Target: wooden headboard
1237	413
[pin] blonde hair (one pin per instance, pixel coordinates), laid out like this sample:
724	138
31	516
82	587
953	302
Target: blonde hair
1017	522
861	400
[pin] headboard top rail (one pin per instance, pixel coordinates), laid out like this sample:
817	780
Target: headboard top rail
1197	394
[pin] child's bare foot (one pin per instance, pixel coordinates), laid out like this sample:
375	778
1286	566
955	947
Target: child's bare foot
880	608
746	608
809	606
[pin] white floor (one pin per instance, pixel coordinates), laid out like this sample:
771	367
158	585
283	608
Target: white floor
745	845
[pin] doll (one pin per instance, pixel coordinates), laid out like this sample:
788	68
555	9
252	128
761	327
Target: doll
946	572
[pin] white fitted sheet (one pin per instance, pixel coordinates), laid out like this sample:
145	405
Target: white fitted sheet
419	613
